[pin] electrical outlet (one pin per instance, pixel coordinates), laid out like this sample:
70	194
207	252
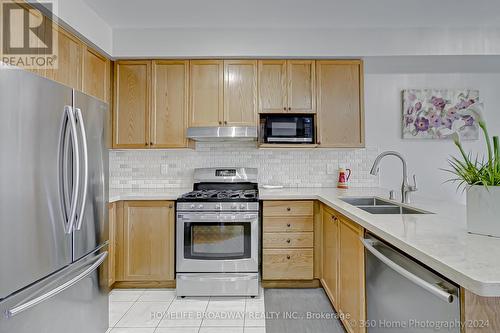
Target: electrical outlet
331	169
164	169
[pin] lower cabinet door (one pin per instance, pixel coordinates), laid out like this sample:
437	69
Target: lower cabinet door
148	240
352	276
287	264
330	255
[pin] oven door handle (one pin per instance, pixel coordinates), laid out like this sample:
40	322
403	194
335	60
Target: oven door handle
217	217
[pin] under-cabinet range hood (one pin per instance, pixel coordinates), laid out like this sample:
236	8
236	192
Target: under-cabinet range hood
227	133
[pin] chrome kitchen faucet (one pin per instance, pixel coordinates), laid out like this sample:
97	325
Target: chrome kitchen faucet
406	188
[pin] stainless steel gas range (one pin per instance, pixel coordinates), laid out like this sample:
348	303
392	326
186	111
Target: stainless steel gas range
218	234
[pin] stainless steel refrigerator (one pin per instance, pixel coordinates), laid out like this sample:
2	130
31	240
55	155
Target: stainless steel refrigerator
53	207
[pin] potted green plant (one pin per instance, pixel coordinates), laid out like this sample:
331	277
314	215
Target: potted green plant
480	177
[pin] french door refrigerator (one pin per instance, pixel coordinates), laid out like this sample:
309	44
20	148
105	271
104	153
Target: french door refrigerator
53	207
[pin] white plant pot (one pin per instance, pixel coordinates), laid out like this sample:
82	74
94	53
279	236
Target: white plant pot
483	210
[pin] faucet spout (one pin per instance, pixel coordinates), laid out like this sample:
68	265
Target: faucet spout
405	186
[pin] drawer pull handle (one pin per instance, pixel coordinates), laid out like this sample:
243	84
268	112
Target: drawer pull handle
288	209
288	257
288	241
288	225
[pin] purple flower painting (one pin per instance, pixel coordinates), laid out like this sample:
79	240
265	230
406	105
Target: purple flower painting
428	113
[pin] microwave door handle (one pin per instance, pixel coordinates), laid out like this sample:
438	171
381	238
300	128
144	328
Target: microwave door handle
433	289
81	124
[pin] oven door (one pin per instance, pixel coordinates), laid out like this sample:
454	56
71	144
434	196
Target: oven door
217	242
289	129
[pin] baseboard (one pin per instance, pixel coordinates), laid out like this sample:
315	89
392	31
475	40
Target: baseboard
290	283
143	284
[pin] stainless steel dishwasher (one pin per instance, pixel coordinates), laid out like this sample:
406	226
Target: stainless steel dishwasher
404	296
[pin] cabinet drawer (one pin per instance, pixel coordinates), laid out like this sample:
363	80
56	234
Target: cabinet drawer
288	208
288	239
288	224
287	264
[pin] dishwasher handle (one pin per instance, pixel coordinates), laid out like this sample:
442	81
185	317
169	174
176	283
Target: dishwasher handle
433	289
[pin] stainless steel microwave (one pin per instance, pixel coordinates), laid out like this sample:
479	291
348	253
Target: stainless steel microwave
287	128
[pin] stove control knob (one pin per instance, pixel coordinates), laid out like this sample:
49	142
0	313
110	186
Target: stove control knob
234	206
242	206
200	206
218	206
192	206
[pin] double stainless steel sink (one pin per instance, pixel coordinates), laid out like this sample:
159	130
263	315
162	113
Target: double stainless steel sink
376	205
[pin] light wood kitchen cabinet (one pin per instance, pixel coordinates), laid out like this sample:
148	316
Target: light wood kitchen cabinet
207	93
330	255
351	284
287	86
272	86
147	241
131	104
288	240
287	264
69	60
223	93
340	113
95	74
301	86
112	210
170	103
240	92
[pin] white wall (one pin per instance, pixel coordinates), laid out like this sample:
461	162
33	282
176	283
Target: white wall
303	42
383	104
80	17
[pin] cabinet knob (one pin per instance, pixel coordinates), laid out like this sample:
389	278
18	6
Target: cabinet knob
151	143
288	241
147	143
225	122
220	122
288	225
284	108
289	109
288	209
288	257
170	206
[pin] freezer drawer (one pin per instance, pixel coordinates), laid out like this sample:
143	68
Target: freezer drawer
404	297
73	300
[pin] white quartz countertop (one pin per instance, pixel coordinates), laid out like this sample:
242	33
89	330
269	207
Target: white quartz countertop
438	240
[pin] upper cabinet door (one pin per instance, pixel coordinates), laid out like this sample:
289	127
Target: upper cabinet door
170	104
240	92
95	74
340	107
69	60
301	86
207	93
272	86
131	104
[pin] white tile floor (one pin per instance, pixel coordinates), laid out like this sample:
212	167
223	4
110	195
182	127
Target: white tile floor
160	311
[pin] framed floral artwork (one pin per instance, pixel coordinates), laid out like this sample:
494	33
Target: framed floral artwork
434	113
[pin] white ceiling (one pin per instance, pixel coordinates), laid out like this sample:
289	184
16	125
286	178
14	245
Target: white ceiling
296	13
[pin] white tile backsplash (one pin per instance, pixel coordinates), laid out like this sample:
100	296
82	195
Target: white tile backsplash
287	167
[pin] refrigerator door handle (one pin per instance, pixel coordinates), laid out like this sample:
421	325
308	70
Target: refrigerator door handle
68	110
44	297
81	124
